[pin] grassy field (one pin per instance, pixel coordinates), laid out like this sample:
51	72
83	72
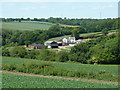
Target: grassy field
112	69
9	81
28	25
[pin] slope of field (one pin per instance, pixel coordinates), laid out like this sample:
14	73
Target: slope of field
113	69
24	81
28	25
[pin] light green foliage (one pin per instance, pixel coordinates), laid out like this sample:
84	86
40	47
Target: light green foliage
28	25
106	51
62	56
9	81
18	52
46	55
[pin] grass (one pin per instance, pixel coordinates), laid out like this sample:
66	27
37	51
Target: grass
21	81
28	25
112	69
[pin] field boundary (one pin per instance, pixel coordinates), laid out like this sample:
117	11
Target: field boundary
58	77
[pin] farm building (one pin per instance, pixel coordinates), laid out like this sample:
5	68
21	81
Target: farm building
35	46
69	40
60	42
79	41
51	44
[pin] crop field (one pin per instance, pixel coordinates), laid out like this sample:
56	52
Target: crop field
81	35
85	34
28	25
9	81
112	69
63	25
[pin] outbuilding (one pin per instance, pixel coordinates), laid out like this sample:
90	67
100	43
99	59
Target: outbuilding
36	46
51	44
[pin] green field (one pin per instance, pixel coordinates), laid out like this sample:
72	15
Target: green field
113	69
21	81
81	35
28	25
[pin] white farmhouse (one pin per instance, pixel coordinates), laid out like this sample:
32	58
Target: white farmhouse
69	40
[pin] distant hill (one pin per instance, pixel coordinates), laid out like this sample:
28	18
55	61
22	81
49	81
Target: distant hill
25	25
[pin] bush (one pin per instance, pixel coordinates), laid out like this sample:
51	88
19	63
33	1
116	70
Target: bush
62	56
5	52
18	52
10	67
32	54
46	55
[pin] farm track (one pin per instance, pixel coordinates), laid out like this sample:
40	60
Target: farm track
58	77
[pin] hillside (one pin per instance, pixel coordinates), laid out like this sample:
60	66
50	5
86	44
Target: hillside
25	25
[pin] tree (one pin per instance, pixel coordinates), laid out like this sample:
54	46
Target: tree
46	55
75	33
105	58
81	29
18	52
27	43
105	31
62	56
54	28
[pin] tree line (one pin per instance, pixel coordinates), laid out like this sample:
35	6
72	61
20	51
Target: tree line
90	25
10	37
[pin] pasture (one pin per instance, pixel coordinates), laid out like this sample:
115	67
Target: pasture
28	25
23	81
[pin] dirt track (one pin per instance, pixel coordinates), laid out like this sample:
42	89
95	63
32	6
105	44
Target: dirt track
58	77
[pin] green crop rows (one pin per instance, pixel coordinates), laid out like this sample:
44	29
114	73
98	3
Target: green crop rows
9	81
25	25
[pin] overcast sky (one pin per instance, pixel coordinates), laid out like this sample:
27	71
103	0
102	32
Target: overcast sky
58	8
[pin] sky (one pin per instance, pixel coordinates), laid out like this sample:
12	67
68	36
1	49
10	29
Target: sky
59	8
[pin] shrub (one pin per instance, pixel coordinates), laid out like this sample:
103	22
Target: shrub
62	56
10	67
46	55
49	69
18	52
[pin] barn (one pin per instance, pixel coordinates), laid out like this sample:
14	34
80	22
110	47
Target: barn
36	46
51	44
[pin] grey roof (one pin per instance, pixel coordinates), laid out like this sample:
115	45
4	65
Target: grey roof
48	41
38	45
59	40
70	37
